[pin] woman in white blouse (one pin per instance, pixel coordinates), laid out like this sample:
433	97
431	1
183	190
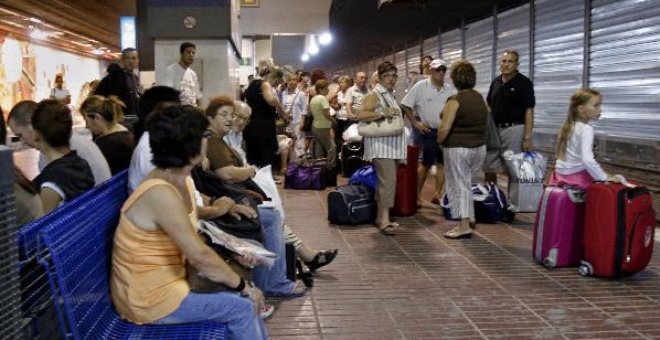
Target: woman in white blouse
385	152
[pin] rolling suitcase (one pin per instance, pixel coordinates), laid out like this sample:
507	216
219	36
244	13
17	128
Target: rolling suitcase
351	158
618	231
405	199
558	228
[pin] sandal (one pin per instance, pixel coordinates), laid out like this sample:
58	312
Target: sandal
389	229
304	274
456	234
322	258
267	311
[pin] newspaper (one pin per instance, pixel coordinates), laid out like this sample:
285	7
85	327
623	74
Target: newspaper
238	245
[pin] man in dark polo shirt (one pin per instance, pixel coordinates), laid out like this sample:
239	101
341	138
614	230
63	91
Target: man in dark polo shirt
511	101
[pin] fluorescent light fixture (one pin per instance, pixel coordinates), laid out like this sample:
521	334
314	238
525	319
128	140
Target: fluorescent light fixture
325	38
304	57
38	34
97	51
313	48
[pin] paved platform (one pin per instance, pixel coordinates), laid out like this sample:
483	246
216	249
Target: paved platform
419	285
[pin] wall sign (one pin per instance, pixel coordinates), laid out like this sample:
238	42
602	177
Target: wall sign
250	3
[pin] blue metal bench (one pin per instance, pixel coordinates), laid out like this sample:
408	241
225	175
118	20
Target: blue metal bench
76	250
36	296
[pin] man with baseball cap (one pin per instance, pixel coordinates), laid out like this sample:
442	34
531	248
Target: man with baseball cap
423	105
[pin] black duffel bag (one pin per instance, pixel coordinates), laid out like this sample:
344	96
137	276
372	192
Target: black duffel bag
351	204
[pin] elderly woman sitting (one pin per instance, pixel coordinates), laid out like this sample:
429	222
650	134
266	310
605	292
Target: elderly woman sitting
156	235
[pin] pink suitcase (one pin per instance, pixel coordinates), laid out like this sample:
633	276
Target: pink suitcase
559	227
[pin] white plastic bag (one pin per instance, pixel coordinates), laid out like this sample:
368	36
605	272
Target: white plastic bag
526	173
351	134
264	178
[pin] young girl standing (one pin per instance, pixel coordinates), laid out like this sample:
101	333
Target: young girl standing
575	164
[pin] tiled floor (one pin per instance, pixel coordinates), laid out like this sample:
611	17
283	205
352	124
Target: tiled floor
419	285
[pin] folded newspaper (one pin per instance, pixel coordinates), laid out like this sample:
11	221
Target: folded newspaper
238	245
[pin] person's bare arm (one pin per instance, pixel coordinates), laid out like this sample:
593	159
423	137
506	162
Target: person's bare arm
236	173
50	199
527	143
270	97
369	104
448	117
420	126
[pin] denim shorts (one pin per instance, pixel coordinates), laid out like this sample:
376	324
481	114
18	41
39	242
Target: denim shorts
431	151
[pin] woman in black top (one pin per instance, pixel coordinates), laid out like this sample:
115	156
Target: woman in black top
259	135
66	175
116	142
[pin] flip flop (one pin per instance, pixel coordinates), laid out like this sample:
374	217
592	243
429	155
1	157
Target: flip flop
454	234
389	229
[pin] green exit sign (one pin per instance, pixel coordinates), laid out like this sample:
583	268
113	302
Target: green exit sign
246	61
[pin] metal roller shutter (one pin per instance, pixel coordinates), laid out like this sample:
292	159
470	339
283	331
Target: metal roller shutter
558	57
513	33
452	46
479	51
431	47
400	63
414	57
625	66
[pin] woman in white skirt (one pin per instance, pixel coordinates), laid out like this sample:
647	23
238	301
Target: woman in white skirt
462	133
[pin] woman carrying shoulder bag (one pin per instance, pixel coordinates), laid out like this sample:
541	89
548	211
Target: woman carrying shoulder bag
384	144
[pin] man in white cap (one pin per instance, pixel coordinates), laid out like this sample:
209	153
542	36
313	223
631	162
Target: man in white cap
423	105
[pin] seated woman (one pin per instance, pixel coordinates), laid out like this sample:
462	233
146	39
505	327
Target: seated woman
229	165
103	116
66	175
273	281
159	219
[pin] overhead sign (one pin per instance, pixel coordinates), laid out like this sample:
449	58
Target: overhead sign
128	32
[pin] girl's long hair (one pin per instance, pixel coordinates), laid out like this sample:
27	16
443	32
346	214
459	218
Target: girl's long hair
580	97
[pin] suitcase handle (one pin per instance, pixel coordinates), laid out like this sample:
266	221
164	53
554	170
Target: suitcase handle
620	179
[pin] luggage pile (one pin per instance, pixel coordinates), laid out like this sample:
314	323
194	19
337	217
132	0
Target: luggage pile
607	231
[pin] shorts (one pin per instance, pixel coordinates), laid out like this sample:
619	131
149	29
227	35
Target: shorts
431	151
283	142
512	138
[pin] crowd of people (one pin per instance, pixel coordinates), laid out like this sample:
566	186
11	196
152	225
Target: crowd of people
176	151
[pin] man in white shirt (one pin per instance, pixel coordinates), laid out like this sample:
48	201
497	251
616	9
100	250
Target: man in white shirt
295	105
181	77
423	105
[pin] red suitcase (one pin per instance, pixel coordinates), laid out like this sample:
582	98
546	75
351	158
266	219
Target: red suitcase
405	200
618	231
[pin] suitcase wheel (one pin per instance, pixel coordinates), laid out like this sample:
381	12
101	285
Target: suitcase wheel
584	270
549	263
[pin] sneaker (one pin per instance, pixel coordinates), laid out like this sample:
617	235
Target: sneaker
267	311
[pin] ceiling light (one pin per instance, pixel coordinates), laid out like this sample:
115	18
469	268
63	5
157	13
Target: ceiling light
97	51
304	57
38	34
325	38
313	48
35	20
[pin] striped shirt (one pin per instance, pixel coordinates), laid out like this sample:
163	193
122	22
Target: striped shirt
392	147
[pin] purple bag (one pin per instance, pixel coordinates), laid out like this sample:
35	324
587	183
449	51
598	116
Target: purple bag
306	175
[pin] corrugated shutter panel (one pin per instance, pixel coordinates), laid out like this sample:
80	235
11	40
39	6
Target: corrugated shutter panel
414	57
431	47
452	46
400	86
558	57
479	51
625	66
513	33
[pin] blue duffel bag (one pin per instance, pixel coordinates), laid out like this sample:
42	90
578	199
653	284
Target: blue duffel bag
489	203
365	175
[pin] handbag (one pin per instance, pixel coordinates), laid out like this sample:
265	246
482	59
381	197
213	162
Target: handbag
209	184
306	175
493	140
201	284
366	176
382	127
